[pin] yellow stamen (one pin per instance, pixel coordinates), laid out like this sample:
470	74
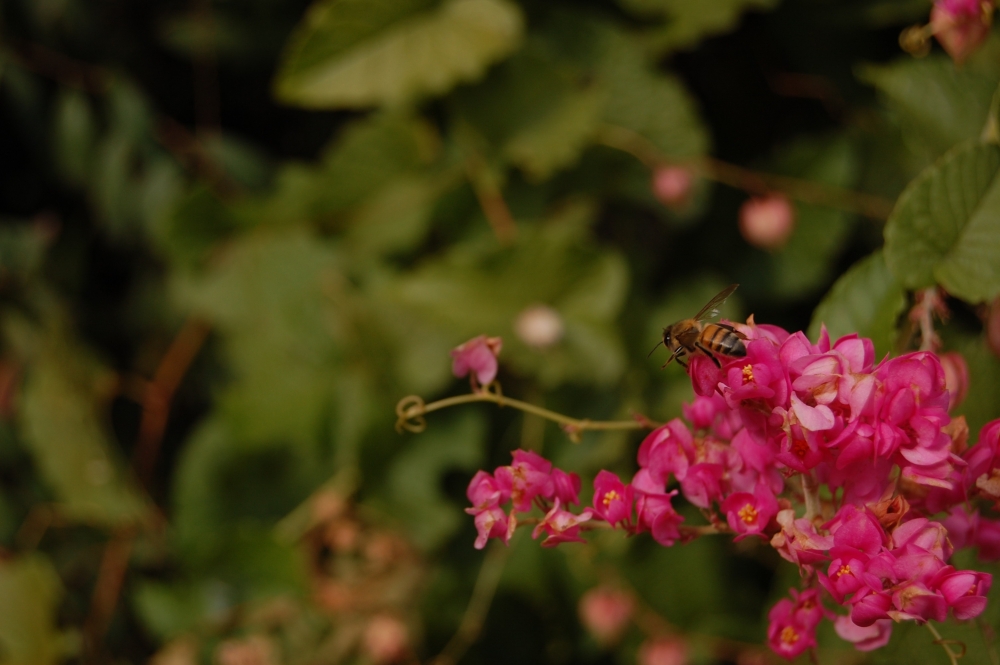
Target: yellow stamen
789	635
748	514
747	374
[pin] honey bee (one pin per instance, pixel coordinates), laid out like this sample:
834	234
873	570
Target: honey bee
692	336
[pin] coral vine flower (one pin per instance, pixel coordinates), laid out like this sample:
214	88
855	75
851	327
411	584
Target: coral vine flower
477	358
612	498
767	432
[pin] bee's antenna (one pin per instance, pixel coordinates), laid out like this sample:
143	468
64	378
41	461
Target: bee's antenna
654	349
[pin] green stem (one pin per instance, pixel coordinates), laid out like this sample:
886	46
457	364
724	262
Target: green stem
411	411
810	492
952	656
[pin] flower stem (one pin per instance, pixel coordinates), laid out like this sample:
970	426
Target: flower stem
411	411
754	182
810	492
952	656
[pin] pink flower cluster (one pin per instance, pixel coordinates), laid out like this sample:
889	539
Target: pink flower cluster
853	471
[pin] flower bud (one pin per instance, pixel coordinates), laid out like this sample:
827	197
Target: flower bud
663	651
960	26
956	377
253	650
606	611
672	186
477	357
993	327
385	639
767	221
539	326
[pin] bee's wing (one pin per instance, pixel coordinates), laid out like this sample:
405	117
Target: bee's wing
712	307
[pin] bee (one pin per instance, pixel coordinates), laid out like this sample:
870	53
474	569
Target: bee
692	336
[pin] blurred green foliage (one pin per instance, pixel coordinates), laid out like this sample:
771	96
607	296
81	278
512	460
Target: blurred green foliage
235	234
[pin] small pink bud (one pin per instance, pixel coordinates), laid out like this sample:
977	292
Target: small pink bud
385	639
960	26
478	357
767	221
606	611
956	377
253	650
993	327
539	326
672	186
663	651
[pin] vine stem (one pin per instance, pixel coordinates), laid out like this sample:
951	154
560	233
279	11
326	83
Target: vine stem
754	182
946	644
810	492
411	411
479	606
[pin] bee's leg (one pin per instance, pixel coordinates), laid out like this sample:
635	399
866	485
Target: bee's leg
682	363
708	353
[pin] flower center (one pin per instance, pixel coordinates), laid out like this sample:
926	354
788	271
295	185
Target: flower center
610	496
800	448
844	570
748	514
747	374
789	635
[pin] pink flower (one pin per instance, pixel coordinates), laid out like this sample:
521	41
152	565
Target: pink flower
477	358
565	487
964	591
749	514
672	186
492	523
798	540
787	634
956	377
561	526
663	651
867	638
606	611
961	25
525	479
612	498
767	221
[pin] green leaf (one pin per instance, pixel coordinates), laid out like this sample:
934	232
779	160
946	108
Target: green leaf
395	219
30	592
414	478
478	288
655	106
549	112
867	300
219	488
74	134
938	104
366	158
357	53
274	298
945	227
62	415
690	22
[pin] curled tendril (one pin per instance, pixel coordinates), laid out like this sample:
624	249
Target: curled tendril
410	414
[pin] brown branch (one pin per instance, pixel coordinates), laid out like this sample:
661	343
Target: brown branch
754	182
159	393
110	577
491	199
45	62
